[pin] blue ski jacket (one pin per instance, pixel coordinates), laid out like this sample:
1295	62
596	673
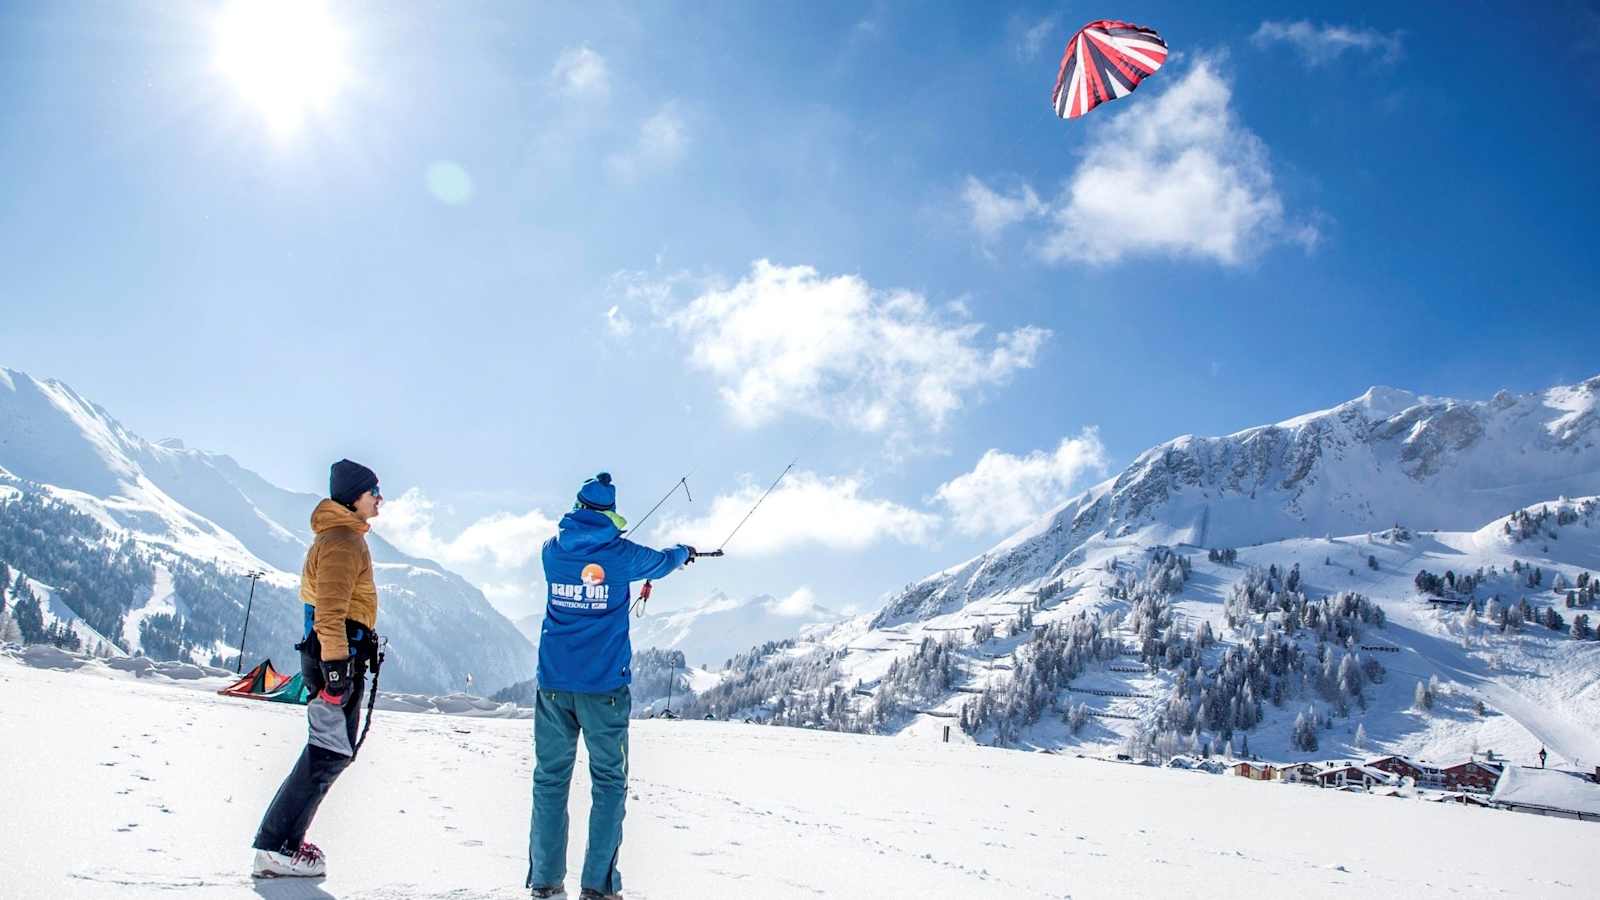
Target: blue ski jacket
583	644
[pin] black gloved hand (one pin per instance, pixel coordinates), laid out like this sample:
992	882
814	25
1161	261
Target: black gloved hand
692	553
336	676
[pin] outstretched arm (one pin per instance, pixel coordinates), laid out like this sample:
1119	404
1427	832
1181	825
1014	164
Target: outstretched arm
646	563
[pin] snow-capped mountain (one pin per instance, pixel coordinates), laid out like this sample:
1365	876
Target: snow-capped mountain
205	520
713	630
1387	456
528	627
1172	588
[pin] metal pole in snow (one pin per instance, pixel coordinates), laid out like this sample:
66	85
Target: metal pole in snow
670	679
239	667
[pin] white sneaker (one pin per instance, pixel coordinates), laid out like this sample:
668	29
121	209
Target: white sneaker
307	862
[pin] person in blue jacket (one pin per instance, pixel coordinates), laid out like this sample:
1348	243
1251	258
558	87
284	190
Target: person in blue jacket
584	673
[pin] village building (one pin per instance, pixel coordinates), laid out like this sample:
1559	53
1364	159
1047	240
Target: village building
1354	776
1471	775
1299	773
1254	771
1548	792
1463	799
1418	771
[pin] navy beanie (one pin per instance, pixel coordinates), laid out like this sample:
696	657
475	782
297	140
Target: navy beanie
598	493
347	481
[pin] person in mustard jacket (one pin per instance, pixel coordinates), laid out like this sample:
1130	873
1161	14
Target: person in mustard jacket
341	610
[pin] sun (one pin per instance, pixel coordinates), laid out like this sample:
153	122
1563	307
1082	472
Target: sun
287	58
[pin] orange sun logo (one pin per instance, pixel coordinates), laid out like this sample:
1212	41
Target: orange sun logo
593	574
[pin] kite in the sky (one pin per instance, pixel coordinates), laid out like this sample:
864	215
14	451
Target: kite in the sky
1104	61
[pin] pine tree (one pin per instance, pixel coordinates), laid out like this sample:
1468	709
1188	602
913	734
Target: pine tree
1580	627
9	632
28	614
1421	699
1361	736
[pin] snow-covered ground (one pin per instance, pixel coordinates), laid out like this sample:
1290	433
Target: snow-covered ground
127	786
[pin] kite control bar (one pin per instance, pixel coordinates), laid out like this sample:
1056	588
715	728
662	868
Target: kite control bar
644	590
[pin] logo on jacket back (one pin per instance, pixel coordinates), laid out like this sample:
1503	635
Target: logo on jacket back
593	594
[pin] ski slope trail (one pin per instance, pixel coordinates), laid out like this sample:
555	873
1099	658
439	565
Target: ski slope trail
1427	654
124	787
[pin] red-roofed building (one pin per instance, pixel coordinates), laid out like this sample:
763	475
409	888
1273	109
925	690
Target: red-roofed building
1471	776
1406	767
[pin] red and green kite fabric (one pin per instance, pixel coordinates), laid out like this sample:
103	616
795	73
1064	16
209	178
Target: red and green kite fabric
266	683
1104	61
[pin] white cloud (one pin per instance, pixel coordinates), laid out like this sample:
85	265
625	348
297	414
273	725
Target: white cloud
500	541
618	323
1033	38
1322	44
992	212
797	604
807	510
788	340
581	73
662	141
497	553
1004	491
1174	175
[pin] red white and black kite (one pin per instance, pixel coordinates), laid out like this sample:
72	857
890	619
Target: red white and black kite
1104	61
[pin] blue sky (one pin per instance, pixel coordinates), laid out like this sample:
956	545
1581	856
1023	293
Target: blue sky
510	246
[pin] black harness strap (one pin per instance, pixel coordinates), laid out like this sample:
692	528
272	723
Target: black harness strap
376	662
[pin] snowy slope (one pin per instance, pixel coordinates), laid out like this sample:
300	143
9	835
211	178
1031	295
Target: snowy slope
1539	686
1320	491
54	611
207	508
165	786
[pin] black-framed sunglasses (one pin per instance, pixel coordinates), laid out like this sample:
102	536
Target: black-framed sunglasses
376	494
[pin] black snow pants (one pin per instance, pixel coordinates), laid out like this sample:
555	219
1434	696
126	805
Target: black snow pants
329	748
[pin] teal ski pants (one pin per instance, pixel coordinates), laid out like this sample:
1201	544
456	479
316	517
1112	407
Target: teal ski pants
558	718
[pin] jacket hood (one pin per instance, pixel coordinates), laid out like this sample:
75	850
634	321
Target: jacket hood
583	530
329	514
